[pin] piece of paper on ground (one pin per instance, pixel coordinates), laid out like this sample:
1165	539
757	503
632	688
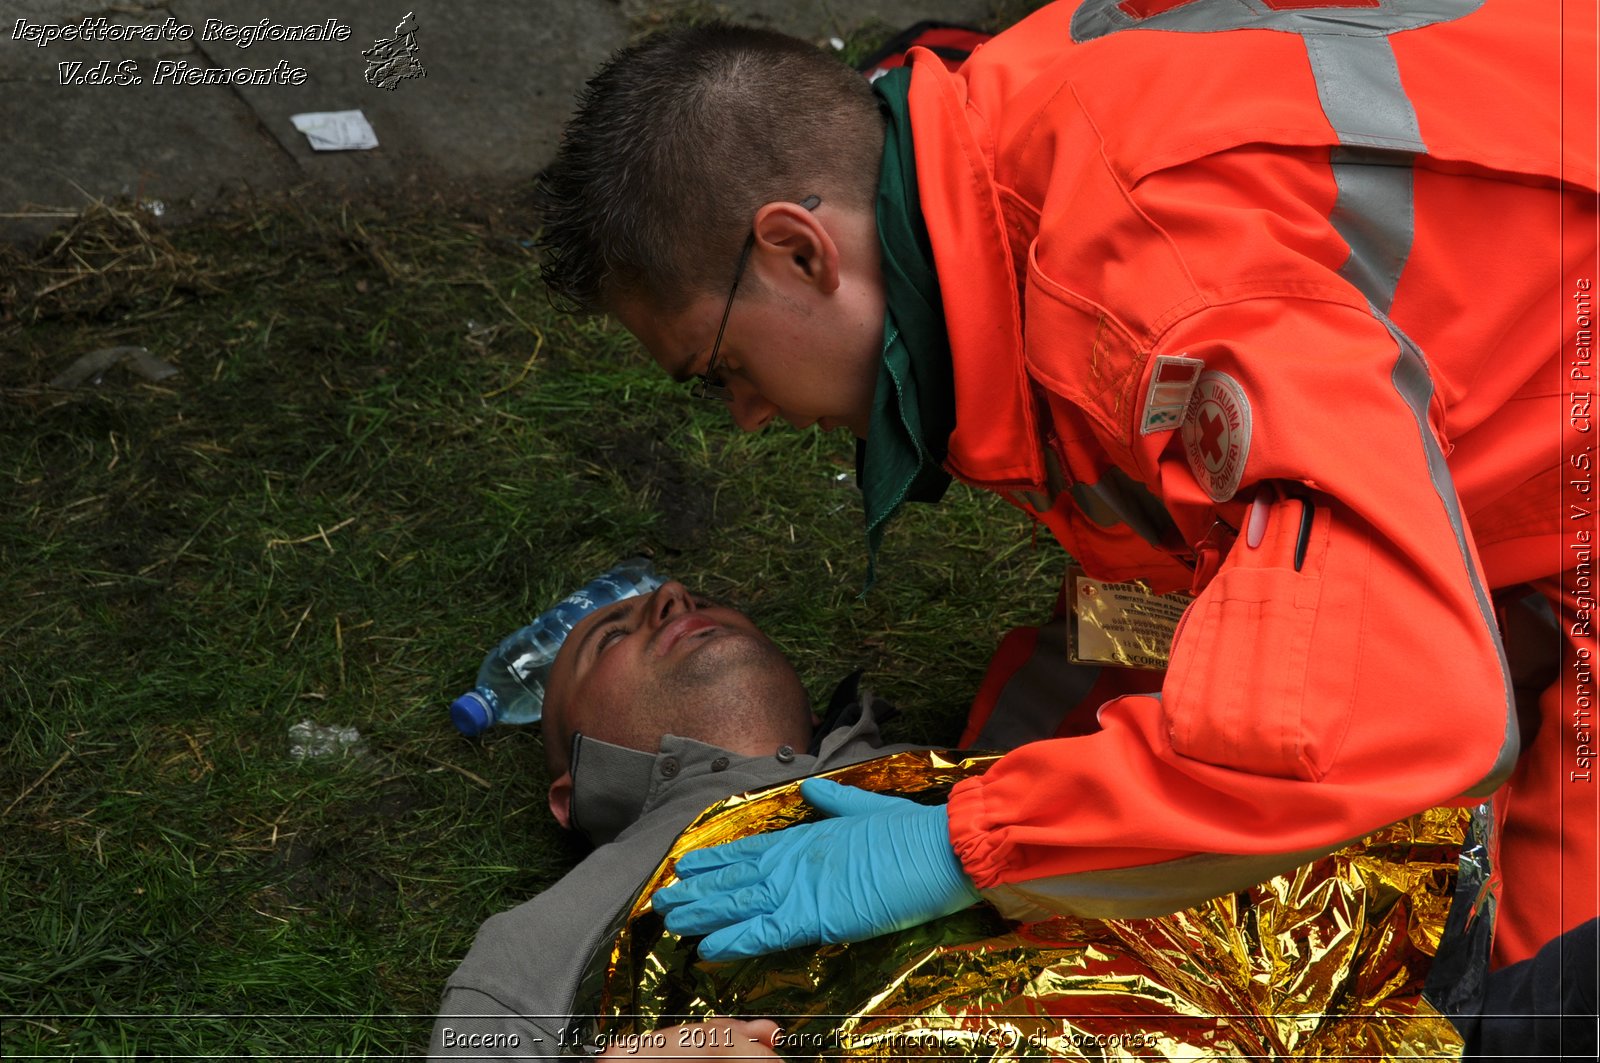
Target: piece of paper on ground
336	130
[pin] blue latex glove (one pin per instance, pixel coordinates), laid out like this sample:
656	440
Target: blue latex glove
881	863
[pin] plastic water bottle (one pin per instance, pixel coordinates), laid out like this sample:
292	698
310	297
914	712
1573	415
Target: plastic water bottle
510	685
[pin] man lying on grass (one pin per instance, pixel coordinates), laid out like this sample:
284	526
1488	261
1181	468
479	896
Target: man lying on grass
656	708
662	705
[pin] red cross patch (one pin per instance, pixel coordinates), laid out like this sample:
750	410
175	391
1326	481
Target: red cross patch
1216	434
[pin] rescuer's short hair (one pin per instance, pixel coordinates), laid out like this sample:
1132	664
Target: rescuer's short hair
676	143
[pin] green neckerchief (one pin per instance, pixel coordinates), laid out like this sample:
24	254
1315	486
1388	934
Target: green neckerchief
914	407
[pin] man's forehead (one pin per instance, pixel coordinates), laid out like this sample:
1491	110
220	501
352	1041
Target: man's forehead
674	340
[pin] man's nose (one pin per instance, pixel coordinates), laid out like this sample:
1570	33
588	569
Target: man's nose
750	411
668	600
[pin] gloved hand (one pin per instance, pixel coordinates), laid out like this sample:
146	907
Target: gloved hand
882	863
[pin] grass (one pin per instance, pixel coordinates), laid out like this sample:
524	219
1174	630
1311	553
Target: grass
380	452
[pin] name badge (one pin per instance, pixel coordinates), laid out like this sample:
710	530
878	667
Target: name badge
1121	624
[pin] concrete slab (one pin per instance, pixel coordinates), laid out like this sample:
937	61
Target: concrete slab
501	78
501	75
496	92
816	20
70	143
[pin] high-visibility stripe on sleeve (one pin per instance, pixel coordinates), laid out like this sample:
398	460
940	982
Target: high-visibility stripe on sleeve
1414	383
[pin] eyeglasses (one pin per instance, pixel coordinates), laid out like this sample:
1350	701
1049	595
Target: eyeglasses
711	384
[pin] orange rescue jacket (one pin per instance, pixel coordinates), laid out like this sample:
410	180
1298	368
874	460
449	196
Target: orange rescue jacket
1321	258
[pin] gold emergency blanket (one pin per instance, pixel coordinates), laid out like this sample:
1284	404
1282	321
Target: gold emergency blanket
1326	962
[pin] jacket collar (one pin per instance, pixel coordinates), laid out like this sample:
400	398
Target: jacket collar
996	439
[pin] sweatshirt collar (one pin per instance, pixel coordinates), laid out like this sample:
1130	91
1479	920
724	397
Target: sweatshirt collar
613	786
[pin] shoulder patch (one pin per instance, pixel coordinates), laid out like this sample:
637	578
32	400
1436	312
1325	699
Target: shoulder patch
1216	434
1172	384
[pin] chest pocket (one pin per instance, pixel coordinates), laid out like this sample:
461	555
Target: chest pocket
1086	367
1255	683
1081	352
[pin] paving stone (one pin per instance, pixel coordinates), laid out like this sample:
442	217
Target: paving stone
501	79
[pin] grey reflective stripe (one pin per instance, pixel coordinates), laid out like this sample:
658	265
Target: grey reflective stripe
1373	214
1415	384
1100	18
1358	84
1147	891
1120	499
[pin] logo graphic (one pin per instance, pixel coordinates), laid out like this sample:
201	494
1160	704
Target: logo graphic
1216	434
392	61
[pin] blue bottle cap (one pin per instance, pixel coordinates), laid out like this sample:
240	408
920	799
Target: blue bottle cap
471	714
